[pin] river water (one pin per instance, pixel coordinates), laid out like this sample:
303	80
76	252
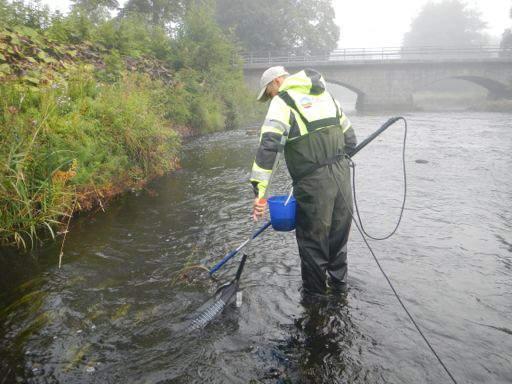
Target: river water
109	315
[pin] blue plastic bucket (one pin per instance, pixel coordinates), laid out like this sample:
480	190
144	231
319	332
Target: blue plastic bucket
282	217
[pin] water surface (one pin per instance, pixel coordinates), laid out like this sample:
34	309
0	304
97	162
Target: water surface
109	314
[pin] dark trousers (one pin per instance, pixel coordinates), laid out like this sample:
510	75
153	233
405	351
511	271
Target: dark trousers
323	226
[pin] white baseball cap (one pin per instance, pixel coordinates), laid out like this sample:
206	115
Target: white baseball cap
267	77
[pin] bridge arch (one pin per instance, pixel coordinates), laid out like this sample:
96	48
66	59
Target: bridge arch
345	85
495	89
360	95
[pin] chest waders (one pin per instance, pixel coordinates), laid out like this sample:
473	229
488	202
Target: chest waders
323	218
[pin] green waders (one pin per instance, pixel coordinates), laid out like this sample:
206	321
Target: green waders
323	227
323	211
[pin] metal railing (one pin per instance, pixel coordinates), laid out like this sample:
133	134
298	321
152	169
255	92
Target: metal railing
426	53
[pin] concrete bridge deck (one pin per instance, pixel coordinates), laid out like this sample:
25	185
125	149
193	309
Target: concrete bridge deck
386	78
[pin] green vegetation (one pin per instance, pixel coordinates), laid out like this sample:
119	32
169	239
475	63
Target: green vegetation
302	26
90	104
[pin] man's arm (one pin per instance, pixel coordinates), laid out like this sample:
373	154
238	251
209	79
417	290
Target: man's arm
275	124
348	132
350	141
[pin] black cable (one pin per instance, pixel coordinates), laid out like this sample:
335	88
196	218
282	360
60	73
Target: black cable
353	165
403	305
364	235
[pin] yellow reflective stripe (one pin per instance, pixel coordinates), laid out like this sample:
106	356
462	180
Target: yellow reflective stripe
277	111
302	127
266	129
346	126
273	126
260	174
276	124
262	187
256	167
345	123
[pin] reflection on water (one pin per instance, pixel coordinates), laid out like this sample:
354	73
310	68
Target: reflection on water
326	343
110	314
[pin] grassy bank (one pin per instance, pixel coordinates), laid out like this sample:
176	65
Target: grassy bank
75	140
83	121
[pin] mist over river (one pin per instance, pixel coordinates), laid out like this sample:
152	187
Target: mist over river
109	315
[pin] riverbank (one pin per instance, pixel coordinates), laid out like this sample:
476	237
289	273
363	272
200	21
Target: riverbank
73	145
81	124
453	101
495	106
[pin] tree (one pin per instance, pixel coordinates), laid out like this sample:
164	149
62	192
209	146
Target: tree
280	25
91	5
506	41
449	23
95	10
203	63
158	12
201	44
31	14
313	29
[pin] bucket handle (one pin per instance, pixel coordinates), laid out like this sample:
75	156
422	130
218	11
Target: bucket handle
289	197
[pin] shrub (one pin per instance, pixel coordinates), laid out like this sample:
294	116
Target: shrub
78	136
88	104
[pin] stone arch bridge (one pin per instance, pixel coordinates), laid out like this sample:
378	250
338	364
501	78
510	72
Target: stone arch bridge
387	78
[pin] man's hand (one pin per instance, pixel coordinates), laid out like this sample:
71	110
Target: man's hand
258	208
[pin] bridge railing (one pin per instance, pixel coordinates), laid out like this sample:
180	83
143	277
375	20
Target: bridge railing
424	53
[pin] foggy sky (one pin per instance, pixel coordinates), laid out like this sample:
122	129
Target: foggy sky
376	23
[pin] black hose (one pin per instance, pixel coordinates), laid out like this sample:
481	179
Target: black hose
359	225
353	165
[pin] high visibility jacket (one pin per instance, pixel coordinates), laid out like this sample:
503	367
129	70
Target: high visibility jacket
317	130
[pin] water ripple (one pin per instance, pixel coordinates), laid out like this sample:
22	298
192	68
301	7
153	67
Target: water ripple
112	313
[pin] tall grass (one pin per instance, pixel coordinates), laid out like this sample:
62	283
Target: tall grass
59	143
85	120
29	200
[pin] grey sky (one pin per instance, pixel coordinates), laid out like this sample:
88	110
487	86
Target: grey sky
375	23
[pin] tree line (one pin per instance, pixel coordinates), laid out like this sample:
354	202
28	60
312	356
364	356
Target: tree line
253	25
450	23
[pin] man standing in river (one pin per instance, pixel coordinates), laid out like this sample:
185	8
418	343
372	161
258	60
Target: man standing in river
318	137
